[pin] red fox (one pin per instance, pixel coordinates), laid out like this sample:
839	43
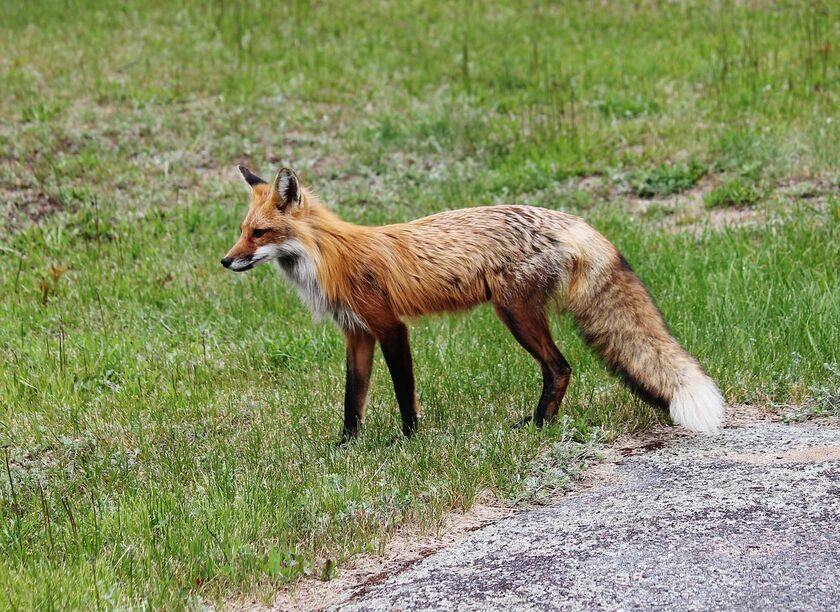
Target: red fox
520	258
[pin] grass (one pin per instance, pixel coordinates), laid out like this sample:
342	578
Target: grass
168	429
666	179
735	192
823	402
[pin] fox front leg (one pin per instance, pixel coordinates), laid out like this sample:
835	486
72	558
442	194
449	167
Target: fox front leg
397	353
360	345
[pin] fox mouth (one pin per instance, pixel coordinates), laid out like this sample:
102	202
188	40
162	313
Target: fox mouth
242	264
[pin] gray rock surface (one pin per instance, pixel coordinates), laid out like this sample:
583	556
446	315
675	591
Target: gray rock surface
744	519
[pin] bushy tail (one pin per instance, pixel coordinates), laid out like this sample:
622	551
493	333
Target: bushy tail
617	316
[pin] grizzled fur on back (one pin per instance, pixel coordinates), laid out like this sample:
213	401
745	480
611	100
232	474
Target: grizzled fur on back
456	259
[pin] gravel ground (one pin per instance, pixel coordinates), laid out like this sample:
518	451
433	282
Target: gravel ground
746	519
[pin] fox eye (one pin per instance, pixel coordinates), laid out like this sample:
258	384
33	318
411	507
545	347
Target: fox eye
258	232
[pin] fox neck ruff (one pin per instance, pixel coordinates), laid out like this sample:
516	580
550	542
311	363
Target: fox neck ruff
299	265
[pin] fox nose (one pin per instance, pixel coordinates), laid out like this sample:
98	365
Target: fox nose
226	261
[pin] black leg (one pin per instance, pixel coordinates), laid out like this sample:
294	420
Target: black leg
360	345
529	325
397	352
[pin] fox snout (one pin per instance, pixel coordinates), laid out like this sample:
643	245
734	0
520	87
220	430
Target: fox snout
239	259
227	262
240	263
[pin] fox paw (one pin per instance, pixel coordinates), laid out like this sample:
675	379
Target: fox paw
345	440
522	422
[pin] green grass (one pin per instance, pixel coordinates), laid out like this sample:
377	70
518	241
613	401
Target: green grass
169	428
823	402
735	192
666	179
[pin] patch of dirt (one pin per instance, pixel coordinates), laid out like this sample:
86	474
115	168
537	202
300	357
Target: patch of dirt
638	443
25	204
599	186
814	190
596	475
687	212
742	415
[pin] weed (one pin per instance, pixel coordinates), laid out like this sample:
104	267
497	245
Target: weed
626	107
823	400
666	179
658	211
736	192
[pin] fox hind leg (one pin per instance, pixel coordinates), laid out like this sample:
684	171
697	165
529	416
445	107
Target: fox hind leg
529	325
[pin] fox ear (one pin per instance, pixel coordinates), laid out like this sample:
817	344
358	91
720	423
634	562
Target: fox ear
250	178
287	190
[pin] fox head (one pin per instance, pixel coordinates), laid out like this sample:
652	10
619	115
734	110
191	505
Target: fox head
267	225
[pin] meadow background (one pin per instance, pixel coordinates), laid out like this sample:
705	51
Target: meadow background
168	428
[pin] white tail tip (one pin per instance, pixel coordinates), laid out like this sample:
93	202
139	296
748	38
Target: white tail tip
697	404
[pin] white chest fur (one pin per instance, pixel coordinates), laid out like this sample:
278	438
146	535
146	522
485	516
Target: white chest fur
296	264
